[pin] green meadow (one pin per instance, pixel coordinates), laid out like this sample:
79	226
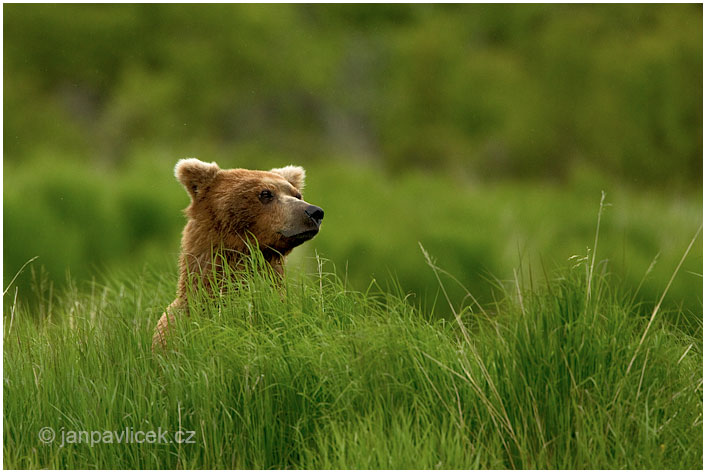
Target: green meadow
566	374
487	351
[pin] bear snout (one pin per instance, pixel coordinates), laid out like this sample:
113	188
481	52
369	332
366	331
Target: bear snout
315	213
303	225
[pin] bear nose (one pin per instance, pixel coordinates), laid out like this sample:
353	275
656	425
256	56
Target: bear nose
315	213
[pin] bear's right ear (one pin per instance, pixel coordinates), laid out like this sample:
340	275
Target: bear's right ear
195	175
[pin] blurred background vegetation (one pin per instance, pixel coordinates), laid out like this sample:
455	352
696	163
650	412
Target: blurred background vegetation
485	132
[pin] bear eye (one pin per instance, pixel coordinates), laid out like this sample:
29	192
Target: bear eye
265	196
298	196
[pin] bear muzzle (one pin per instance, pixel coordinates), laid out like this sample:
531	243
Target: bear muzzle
305	227
315	213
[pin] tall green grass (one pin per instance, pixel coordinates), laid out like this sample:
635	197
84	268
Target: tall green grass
313	374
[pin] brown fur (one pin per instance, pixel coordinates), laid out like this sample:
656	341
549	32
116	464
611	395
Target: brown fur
227	209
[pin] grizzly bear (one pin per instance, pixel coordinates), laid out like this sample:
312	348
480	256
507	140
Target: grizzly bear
228	210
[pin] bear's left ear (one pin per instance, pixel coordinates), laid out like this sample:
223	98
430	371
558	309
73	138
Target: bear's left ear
195	175
294	174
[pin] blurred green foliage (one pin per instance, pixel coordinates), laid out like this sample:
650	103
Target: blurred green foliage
485	132
478	90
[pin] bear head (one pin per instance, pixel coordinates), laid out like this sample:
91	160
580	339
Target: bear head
228	206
